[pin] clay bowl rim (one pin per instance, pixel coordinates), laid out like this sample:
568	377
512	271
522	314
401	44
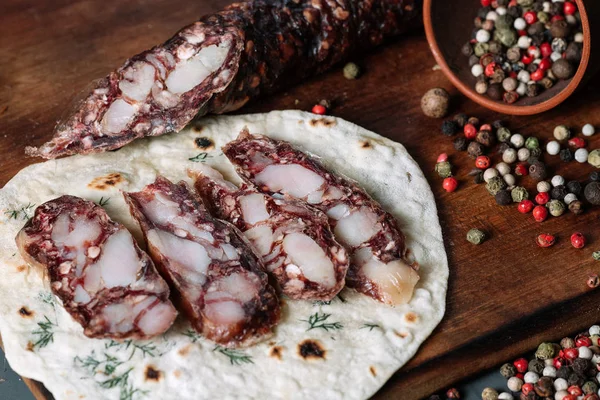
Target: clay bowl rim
510	109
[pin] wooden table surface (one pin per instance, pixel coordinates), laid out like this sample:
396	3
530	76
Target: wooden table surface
504	296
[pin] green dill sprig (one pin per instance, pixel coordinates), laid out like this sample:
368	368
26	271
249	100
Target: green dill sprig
370	326
200	157
192	334
147	349
317	321
45	333
46	297
102	202
23	212
236	357
117	380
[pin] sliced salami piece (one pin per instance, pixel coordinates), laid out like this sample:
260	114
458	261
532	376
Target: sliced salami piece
293	239
97	270
220	62
378	266
221	284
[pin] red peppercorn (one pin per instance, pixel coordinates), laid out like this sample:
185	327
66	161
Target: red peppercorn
546	49
575	390
485	3
581	340
578	240
572	353
545	64
482	162
545	240
513	74
521	169
491	68
520	375
558	362
570	397
542	198
470	131
525	206
522	32
485	127
527	388
533	51
577	142
526	59
319	109
537	75
540	213
557	17
450	184
569	8
521	365
442	157
593	281
591	396
530	17
452	393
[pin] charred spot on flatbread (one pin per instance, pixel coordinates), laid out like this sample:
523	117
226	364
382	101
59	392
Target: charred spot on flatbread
185	350
365	144
204	143
25	312
152	374
177	374
21	268
373	370
30	346
276	352
106	182
411	317
197	128
324	122
311	350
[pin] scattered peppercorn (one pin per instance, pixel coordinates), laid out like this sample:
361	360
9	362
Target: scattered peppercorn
559	192
562	69
475	236
461	119
482	162
351	71
592	193
319	109
578	240
540	213
435	103
503	198
519	193
508	370
556	208
545	351
486	138
593	281
503	134
489	394
594	158
453	394
595	176
562	132
444	169
525	206
576	207
596	255
450	127
450	184
461	143
545	240
537	171
574	187
495	185
566	155
475	149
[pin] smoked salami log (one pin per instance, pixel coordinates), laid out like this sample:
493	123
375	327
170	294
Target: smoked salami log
222	61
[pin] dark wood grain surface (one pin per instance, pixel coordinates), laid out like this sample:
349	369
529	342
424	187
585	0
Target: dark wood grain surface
504	296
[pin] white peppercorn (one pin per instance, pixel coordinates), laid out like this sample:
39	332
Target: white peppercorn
555	56
483	36
531	377
520	24
560	395
509	156
501	10
544	186
553	148
588	130
515	384
517	140
562	132
585	352
561	384
594	330
505	396
522	89
594	158
550	371
557	180
503	168
510	180
489	394
524	42
578	38
581	155
510	84
569	198
523	154
491	16
523	76
489	174
481	87
476	70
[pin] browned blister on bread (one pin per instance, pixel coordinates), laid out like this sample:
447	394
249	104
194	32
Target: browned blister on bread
376	245
220	283
293	239
97	270
222	61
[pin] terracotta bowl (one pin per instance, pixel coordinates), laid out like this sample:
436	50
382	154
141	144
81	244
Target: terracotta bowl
448	25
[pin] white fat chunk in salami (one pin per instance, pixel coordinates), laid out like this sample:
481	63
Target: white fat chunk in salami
261	237
254	208
137	81
119	263
310	258
292	179
118	116
357	228
191	72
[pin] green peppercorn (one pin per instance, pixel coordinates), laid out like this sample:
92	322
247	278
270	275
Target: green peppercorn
519	193
536	366
556	207
503	134
351	71
543	17
489	394
596	255
508	37
475	236
504	22
594	158
532	143
589	387
595	338
495	184
508	370
567	343
545	351
444	169
480	49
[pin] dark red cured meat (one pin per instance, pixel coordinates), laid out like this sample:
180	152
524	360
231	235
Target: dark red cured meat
271	44
220	283
379	265
95	267
293	239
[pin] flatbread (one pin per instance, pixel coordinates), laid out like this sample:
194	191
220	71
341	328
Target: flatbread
346	348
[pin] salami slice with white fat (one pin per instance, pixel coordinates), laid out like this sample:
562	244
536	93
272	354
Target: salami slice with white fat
220	62
376	245
97	270
293	239
220	283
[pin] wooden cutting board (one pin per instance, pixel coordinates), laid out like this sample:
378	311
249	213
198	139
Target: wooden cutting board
504	296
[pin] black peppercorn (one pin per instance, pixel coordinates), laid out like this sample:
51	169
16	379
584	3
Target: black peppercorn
559	29
467	49
508	370
544	387
473	121
536	366
461	119
475	149
531	68
559	192
566	155
576	207
562	69
592	193
537	171
503	198
495	91
461	143
563	372
581	367
497	124
514	11
478	177
574	187
486	138
573	52
595	176
483	12
449	127
533	89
